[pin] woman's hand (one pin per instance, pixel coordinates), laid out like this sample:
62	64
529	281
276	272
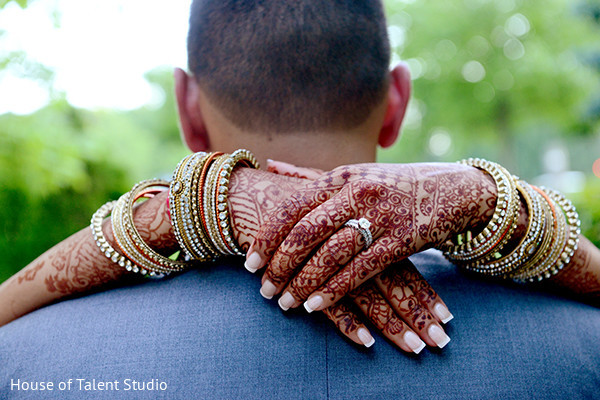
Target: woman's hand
400	302
411	207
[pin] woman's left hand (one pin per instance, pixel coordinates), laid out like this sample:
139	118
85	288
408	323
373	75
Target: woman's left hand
399	302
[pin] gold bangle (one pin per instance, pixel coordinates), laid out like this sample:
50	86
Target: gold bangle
527	245
544	249
497	233
200	175
128	238
183	206
246	158
102	243
563	244
198	203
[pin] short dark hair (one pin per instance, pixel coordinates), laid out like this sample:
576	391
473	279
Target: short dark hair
290	65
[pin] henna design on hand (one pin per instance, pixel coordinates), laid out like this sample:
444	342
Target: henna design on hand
403	300
253	195
374	306
326	261
415	205
343	317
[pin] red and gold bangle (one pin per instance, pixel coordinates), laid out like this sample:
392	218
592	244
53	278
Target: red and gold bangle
128	238
183	205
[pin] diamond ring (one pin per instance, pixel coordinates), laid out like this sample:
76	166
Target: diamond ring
362	226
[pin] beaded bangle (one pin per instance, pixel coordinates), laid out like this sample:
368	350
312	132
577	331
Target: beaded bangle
564	239
128	238
200	176
211	220
184	209
497	233
222	190
102	243
527	246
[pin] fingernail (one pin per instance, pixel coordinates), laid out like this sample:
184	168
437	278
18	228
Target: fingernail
414	342
365	337
312	303
253	262
286	301
438	335
267	290
441	311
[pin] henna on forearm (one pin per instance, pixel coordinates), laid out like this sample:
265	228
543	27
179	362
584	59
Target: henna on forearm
76	265
253	195
582	275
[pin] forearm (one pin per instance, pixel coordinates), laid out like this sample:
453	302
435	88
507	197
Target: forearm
76	265
581	277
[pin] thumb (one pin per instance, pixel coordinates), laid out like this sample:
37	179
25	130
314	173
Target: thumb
287	169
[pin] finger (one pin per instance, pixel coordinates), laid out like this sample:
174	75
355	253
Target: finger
372	303
349	324
304	238
368	263
408	307
273	231
283	168
424	292
336	252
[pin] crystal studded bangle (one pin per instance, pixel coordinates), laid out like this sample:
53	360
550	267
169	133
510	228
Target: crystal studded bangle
128	239
221	192
486	245
562	240
506	264
100	239
184	208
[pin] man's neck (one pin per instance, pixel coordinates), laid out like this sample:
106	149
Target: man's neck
319	149
325	151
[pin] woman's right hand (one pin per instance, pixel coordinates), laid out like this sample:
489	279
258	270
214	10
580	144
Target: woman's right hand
400	304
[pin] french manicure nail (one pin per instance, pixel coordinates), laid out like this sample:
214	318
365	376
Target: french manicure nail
286	301
441	311
438	335
253	262
414	342
268	290
312	303
365	337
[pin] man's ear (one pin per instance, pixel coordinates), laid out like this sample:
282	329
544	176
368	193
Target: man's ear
397	102
191	121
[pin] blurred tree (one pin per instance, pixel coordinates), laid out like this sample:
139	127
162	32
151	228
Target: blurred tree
59	164
497	79
22	3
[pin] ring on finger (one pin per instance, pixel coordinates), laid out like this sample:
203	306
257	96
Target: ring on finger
362	225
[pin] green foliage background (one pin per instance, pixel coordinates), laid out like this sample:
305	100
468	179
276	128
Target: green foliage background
540	87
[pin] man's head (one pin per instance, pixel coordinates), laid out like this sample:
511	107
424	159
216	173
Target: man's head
289	67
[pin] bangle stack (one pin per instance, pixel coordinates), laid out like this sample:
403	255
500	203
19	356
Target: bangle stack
198	210
551	237
198	203
132	252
